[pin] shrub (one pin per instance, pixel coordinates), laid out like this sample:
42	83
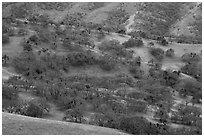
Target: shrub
191	88
27	64
136	34
155	73
115	48
34	39
170	79
193	69
137	126
4	29
170	52
81	58
158	53
162	40
5	39
190	57
133	43
106	63
34	110
109	45
44	36
9	93
27	46
136	61
151	43
136	72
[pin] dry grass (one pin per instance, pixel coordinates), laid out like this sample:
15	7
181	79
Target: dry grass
22	125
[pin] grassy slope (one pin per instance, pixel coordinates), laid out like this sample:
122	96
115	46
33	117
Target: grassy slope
100	14
21	125
184	26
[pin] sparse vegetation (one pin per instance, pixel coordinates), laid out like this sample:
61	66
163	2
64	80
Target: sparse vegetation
62	63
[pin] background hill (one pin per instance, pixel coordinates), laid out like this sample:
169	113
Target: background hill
178	20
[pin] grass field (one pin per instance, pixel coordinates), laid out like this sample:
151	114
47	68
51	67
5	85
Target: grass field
22	125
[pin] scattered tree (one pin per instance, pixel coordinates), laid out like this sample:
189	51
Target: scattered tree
132	42
170	52
158	53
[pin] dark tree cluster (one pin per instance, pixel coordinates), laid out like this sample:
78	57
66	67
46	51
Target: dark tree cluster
107	63
191	57
162	41
133	43
115	48
193	69
170	52
158	53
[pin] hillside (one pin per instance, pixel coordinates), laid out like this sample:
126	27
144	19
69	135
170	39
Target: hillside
190	23
22	125
134	67
177	20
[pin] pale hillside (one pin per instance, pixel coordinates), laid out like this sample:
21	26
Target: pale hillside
21	125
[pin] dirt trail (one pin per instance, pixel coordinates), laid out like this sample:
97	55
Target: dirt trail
130	23
6	74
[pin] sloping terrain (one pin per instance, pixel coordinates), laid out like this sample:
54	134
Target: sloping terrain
22	125
190	23
93	63
169	19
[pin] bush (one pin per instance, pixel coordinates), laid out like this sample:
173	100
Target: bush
27	64
190	57
81	58
133	43
158	53
34	110
191	88
193	69
106	63
136	61
4	29
27	46
151	43
9	93
5	39
170	79
44	36
162	40
34	39
115	48
170	52
138	126
136	34
136	72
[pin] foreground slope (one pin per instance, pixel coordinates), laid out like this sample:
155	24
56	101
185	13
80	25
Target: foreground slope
13	124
